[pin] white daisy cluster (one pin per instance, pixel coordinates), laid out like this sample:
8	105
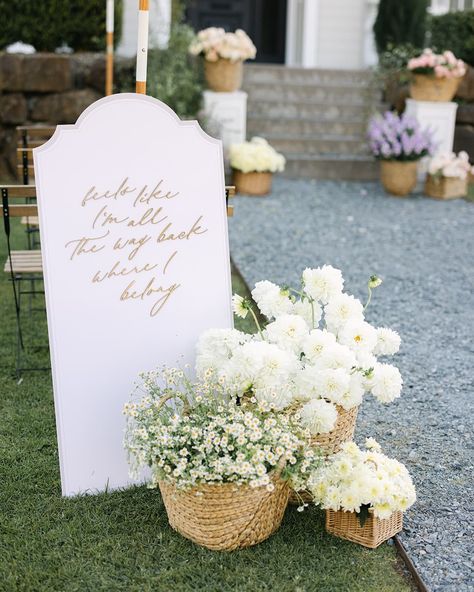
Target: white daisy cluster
354	478
316	352
214	43
211	439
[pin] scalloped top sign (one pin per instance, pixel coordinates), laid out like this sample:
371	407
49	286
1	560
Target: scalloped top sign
136	263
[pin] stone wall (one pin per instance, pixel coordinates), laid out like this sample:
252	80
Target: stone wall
50	89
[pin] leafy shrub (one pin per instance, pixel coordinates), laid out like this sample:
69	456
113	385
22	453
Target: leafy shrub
454	31
400	22
47	24
174	76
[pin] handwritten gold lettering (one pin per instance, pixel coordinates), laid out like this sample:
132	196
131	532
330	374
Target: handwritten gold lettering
86	245
195	229
149	290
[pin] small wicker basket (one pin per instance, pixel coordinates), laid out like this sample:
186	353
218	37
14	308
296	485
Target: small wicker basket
252	183
375	531
430	88
330	443
445	187
398	177
223	75
225	517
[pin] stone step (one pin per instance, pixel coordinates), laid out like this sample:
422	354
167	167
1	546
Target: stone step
326	167
327	144
308	109
313	92
260	125
256	73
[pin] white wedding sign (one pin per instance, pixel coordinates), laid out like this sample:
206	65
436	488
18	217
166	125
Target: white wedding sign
136	264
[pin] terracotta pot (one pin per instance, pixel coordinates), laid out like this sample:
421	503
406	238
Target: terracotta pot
430	88
223	75
252	183
398	178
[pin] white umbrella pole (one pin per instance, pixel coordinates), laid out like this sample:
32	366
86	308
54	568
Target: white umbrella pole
109	64
142	46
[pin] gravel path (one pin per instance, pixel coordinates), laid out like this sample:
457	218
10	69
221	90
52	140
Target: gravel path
424	251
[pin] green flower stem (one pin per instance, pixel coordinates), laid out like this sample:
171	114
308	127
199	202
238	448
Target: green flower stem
369	298
256	321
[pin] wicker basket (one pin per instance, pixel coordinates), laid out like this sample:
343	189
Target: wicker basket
252	183
224	517
223	75
445	187
331	443
398	178
375	531
430	88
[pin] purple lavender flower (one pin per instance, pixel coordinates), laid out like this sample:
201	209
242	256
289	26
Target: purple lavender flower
394	137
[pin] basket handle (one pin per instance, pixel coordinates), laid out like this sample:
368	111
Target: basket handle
165	398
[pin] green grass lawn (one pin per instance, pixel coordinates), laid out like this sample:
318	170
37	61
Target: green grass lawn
121	540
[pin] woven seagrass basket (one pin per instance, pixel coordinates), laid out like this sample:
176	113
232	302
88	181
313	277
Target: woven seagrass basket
223	75
375	531
252	183
398	178
430	88
445	187
225	517
331	443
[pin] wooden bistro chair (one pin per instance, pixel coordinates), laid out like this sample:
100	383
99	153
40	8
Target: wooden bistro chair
29	137
24	267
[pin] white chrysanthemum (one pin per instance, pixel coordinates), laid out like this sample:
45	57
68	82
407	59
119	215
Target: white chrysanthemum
354	394
341	309
314	344
260	364
271	299
322	283
277	367
337	356
238	306
288	332
278	397
331	384
358	335
388	342
386	383
310	313
215	347
318	416
365	360
372	444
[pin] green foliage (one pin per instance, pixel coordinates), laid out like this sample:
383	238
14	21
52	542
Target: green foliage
454	31
174	76
121	541
47	24
393	62
400	22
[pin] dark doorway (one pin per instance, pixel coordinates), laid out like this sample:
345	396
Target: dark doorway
263	20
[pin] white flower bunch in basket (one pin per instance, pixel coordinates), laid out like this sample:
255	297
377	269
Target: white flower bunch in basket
256	156
450	165
214	43
316	353
363	481
207	438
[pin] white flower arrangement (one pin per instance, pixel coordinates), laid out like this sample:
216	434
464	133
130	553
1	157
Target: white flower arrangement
214	43
256	156
450	165
355	480
210	437
316	352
